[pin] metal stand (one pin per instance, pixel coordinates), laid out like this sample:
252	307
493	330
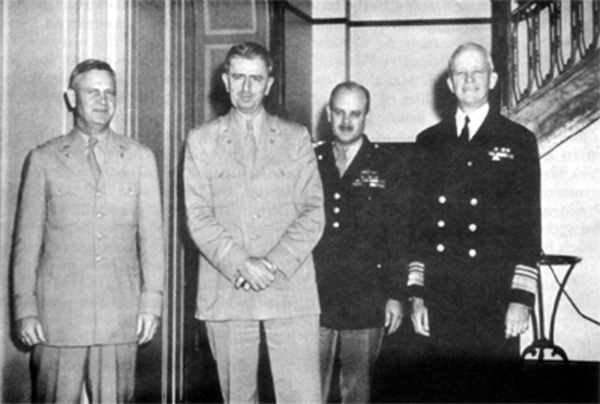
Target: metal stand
540	342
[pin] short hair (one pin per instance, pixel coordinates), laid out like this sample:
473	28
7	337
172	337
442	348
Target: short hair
353	86
471	46
88	65
249	50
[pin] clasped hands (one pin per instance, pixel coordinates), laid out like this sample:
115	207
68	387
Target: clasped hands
256	274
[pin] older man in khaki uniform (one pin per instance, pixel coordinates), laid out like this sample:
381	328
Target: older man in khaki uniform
89	262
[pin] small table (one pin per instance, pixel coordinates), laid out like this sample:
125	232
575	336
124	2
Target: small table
540	342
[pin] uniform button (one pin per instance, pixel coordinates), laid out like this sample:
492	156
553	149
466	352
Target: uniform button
379	266
99	236
441	223
469	164
337	195
98	258
336	210
255	216
440	248
474	201
442	199
335	225
472	253
472	227
98	193
99	215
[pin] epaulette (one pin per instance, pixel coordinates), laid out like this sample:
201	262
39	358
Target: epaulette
52	141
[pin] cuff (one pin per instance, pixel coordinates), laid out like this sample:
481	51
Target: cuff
151	303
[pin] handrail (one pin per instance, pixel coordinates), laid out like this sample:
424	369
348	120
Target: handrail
536	39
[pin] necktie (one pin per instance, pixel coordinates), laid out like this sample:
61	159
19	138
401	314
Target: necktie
250	139
93	160
341	160
464	133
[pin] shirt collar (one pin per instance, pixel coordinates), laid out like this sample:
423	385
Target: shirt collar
101	138
351	150
256	119
476	119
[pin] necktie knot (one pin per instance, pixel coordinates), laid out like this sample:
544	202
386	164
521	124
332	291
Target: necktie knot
464	133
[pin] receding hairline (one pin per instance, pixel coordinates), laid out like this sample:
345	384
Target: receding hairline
467	47
249	51
351	86
89	65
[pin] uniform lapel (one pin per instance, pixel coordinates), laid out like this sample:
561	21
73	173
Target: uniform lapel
71	152
231	140
356	165
485	129
269	142
115	156
327	168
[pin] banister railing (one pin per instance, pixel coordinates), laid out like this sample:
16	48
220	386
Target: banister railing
546	38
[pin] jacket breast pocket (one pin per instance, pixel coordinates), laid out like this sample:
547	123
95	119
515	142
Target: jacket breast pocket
278	181
66	205
227	186
124	203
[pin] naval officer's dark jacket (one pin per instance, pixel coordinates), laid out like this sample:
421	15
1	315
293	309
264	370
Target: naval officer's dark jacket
358	260
476	218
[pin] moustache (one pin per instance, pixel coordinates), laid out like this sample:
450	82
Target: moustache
346	128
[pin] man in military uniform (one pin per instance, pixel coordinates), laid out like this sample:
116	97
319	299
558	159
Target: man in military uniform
88	254
358	279
476	238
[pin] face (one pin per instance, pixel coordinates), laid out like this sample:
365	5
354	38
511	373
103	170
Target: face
348	115
471	79
248	83
94	99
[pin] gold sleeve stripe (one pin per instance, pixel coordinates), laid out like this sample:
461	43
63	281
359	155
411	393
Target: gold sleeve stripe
525	279
416	274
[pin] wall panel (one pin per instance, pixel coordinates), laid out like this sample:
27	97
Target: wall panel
405	72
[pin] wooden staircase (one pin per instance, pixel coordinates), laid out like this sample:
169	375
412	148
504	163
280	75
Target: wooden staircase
563	108
549	62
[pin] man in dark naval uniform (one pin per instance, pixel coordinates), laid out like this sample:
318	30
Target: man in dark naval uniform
359	276
476	227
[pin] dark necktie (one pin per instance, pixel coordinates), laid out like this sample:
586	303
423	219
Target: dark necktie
341	160
93	160
464	133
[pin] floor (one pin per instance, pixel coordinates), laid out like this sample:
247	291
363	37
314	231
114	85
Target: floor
402	378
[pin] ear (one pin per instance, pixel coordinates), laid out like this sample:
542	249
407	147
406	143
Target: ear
493	80
270	82
450	84
71	97
225	78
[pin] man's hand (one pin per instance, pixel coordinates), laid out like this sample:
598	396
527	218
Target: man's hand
393	315
517	319
147	326
420	317
30	331
257	274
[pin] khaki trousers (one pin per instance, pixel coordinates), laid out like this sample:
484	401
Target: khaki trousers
293	346
106	372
